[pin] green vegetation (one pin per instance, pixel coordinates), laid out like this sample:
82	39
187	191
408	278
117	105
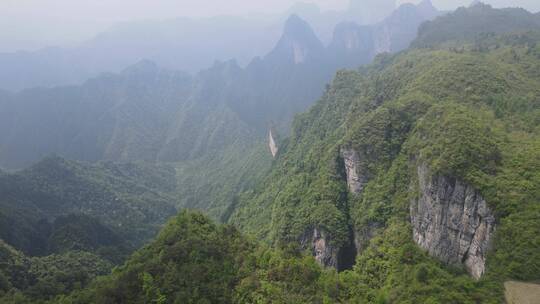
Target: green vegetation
468	107
212	183
465	24
130	200
195	261
30	280
471	113
68	222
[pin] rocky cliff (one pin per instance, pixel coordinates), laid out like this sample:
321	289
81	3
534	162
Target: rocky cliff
316	240
452	221
355	179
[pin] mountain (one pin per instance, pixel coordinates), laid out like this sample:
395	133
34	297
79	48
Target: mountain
182	43
44	277
193	260
354	45
211	127
397	31
412	179
155	114
467	23
58	205
179	44
297	45
416	170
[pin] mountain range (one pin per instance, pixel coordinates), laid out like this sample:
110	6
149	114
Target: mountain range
410	178
155	114
180	44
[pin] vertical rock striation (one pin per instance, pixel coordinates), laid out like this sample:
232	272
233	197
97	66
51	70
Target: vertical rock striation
452	221
355	180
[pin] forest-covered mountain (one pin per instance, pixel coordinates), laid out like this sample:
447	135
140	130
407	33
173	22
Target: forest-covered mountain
434	148
58	205
413	179
211	125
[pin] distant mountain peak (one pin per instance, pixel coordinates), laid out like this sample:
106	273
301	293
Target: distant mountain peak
296	26
475	3
298	42
348	37
427	8
143	67
424	9
426	4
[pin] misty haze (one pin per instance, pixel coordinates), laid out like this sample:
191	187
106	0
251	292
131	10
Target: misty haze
344	151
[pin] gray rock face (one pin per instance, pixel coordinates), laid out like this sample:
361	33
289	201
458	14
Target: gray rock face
316	240
355	180
272	144
452	221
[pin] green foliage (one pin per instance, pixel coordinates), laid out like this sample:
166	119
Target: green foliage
131	201
394	268
191	261
469	114
37	279
457	141
282	276
212	183
467	106
466	24
83	233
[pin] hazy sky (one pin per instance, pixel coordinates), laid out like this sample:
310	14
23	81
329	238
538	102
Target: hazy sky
34	23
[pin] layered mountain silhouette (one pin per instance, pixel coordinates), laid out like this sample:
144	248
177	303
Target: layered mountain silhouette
180	44
155	114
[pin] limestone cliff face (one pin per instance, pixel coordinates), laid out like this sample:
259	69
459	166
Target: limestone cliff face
355	179
452	221
317	241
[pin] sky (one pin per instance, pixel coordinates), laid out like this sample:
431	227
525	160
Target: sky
31	24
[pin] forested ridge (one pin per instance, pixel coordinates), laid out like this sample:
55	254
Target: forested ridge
343	214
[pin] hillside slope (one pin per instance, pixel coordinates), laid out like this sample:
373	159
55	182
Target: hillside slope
433	133
212	125
58	205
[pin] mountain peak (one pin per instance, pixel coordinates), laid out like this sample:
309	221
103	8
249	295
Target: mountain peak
475	3
427	8
298	42
296	26
142	67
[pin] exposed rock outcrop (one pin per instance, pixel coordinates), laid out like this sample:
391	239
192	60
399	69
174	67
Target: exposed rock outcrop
317	241
355	179
272	145
452	221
